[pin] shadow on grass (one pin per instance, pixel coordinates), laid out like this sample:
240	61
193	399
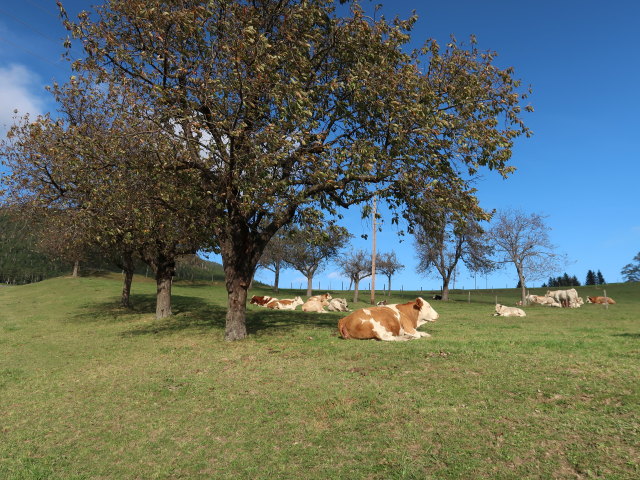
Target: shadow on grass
191	312
283	320
628	335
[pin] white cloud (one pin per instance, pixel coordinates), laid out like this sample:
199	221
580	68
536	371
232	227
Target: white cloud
19	87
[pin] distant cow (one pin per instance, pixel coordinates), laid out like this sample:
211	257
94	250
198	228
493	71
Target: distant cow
261	301
395	322
382	303
601	300
504	311
285	304
317	303
542	300
566	298
338	305
437	297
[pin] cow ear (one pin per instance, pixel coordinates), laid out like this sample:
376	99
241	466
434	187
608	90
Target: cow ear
418	304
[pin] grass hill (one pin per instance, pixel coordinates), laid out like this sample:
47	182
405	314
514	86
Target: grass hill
88	390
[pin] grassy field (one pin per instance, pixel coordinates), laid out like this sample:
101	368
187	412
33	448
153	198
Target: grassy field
89	391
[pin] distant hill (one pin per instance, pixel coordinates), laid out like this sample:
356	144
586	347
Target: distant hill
21	262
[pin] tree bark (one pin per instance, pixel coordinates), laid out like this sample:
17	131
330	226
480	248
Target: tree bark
127	269
76	269
356	285
309	285
240	255
165	268
445	288
276	281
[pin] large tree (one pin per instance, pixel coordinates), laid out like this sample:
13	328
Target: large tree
356	265
287	106
309	249
523	240
274	256
387	264
90	173
444	239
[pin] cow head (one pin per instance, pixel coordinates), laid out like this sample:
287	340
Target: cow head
298	301
426	313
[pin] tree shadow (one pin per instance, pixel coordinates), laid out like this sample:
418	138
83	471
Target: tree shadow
285	320
197	313
627	335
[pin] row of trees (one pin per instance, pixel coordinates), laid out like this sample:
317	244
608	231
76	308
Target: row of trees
562	281
215	124
594	278
309	250
515	238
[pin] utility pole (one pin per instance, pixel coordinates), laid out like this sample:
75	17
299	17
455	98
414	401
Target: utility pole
373	256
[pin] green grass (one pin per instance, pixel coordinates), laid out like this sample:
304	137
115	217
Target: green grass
89	391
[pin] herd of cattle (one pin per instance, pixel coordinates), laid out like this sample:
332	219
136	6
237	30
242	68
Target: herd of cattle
399	322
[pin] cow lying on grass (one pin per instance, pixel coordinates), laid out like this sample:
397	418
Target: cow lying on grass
285	304
504	311
317	303
601	300
261	301
542	300
397	322
338	305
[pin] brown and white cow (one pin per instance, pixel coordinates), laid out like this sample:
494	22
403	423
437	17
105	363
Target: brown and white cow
504	311
396	322
285	303
601	300
261	301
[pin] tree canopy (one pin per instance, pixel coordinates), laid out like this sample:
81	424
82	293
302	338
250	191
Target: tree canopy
281	109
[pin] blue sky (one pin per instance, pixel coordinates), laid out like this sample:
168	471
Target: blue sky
581	167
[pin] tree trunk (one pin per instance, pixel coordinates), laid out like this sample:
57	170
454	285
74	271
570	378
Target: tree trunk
236	323
445	289
276	281
389	290
523	289
76	269
240	256
355	290
127	269
163	292
164	266
309	285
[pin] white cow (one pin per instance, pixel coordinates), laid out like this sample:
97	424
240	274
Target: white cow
566	298
317	303
542	300
504	311
338	305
